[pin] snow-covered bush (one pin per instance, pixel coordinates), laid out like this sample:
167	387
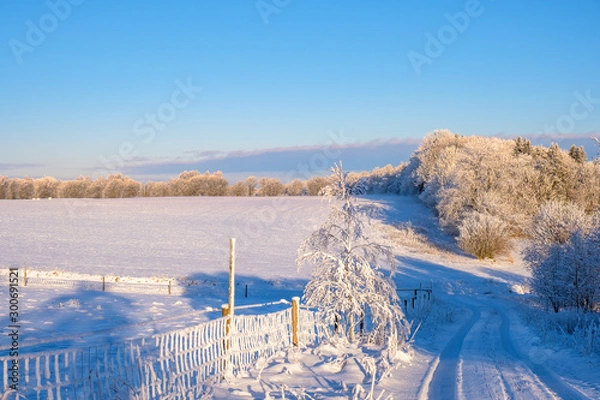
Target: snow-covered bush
348	283
484	235
563	257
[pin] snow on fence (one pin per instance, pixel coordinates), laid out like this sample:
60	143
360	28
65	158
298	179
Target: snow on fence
107	286
415	298
175	365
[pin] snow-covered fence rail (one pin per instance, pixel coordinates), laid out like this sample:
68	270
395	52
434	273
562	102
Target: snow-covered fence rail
178	364
110	286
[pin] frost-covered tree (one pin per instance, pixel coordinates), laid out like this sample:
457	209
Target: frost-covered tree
46	187
270	187
567	275
549	272
295	188
74	188
563	256
522	146
597	158
578	154
157	189
238	189
348	283
26	188
315	184
5	187
555	222
96	188
252	184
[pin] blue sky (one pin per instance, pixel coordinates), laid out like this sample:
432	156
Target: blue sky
91	87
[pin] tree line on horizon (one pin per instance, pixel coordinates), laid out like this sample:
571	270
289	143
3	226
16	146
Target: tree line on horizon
188	183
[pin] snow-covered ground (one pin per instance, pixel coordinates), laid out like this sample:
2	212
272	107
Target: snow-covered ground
473	342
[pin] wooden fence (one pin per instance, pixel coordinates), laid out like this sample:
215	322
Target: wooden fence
176	365
110	286
415	298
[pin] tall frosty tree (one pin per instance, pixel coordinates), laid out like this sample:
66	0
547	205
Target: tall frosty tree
347	282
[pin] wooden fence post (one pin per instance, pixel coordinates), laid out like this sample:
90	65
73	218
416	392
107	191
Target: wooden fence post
25	275
231	277
103	283
295	319
225	313
169	287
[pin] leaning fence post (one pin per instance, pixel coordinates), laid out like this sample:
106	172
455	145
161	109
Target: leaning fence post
295	319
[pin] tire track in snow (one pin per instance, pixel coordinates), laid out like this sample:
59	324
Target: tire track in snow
443	384
545	377
445	376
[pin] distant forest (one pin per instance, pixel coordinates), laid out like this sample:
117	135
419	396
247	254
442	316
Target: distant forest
458	176
188	183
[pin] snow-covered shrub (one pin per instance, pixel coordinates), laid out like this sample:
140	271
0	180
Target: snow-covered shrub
347	282
484	235
568	329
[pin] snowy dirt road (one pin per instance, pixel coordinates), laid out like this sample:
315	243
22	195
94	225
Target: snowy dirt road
481	362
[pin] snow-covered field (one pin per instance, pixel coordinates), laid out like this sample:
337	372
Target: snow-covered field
472	344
